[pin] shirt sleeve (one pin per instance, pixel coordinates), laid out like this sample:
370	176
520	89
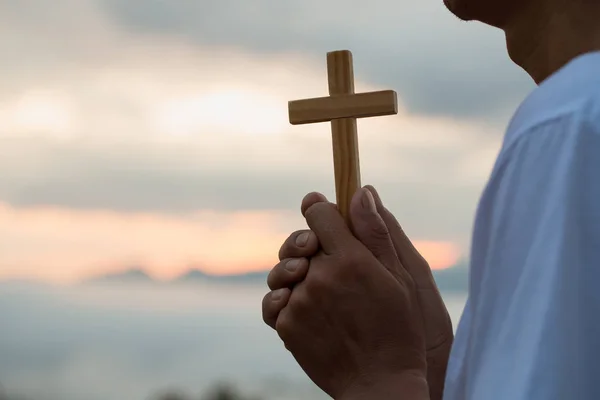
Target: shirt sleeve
540	286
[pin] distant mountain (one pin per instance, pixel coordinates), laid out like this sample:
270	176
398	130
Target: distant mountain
133	275
192	276
454	279
196	275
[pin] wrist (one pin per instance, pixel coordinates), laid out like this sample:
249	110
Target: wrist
407	385
437	364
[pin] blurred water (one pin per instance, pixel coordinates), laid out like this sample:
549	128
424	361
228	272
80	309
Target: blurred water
127	342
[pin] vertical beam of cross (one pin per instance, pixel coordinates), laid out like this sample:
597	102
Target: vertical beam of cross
342	108
346	160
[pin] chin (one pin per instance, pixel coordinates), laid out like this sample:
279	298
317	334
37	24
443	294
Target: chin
460	8
494	13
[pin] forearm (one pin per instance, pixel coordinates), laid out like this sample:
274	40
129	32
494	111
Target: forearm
407	386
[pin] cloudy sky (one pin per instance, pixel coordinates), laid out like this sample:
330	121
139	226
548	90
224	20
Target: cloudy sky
155	133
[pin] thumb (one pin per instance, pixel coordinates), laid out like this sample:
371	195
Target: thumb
371	230
409	257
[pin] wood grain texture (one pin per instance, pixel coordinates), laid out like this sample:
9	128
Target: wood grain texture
342	108
346	160
360	105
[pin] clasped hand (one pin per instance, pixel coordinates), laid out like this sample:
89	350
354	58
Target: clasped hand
358	308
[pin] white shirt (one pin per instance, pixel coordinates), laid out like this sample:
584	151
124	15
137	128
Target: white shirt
531	326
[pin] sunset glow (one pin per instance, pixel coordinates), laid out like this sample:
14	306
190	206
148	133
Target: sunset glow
149	175
439	255
65	245
38	111
225	109
170	154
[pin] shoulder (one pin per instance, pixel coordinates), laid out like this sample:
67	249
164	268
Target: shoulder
553	140
566	104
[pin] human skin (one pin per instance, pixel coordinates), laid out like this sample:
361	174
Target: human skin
541	36
303	244
357	307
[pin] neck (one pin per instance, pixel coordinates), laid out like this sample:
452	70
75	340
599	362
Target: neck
550	33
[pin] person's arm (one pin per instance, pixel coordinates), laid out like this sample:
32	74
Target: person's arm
538	260
408	386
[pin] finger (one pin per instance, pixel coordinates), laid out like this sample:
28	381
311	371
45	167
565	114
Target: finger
409	256
302	243
430	300
324	219
287	273
272	305
311	199
372	231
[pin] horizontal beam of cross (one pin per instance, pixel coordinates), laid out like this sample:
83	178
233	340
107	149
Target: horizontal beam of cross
359	105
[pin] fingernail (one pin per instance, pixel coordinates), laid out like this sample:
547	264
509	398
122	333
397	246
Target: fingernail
302	239
292	265
368	202
276	295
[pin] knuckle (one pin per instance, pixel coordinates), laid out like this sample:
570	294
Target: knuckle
351	260
285	247
316	285
291	247
296	268
284	324
274	279
265	303
380	230
301	302
310	199
317	209
321	281
272	306
267	308
287	272
354	266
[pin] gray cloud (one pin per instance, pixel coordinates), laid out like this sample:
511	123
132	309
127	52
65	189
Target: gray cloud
429	202
438	64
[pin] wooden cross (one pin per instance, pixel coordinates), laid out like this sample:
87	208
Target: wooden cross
342	108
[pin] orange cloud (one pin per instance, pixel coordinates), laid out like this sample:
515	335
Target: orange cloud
63	245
